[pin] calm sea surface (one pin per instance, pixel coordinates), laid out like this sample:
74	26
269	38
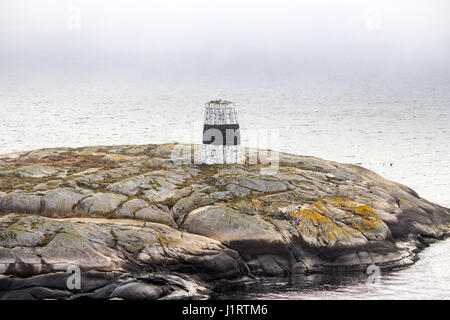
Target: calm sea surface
404	136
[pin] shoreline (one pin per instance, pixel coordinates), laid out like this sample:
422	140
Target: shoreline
352	285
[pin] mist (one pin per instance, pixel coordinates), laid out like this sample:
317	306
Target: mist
229	40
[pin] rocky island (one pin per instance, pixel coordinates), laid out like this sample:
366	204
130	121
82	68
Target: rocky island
140	226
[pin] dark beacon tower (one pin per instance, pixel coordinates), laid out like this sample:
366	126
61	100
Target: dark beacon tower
221	136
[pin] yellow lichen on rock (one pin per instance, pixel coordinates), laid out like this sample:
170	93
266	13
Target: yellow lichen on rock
368	218
161	239
334	220
312	224
117	157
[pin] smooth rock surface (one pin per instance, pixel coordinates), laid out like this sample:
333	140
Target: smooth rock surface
101	203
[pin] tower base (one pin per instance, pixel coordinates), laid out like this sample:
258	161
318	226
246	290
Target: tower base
217	154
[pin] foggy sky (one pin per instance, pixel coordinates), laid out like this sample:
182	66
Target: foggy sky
239	39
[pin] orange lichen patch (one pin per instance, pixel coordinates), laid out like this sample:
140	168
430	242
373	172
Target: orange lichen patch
364	209
118	157
319	205
289	170
315	223
162	240
368	218
67	160
318	219
339	201
312	215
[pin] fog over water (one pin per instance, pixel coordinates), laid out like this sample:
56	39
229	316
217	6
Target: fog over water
364	82
354	39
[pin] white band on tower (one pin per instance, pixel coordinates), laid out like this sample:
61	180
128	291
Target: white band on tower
221	136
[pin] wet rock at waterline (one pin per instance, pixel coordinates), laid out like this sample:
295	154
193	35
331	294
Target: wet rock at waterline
140	226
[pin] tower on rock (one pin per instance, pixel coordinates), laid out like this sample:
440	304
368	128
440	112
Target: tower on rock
221	137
